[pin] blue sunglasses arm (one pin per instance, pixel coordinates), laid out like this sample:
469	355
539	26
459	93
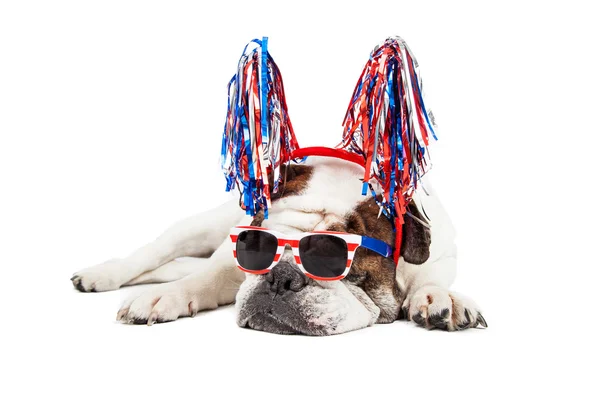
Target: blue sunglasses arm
378	246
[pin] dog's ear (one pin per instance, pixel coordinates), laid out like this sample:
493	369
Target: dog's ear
416	237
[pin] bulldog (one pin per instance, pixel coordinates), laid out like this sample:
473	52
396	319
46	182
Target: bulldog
195	262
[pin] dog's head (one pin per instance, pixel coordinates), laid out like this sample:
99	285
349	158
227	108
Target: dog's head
326	195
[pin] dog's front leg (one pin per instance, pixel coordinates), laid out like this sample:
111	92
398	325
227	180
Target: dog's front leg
425	287
207	289
199	235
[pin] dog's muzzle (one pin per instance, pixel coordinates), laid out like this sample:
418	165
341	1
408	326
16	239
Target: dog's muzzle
286	301
274	302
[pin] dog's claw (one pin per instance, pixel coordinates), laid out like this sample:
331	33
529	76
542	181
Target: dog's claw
152	318
466	323
122	314
192	309
482	320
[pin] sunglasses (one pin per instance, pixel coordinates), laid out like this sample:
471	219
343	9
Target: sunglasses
325	256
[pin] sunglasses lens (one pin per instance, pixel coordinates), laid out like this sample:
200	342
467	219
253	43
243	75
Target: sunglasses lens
255	250
324	256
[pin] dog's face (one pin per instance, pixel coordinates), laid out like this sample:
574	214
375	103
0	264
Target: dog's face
326	195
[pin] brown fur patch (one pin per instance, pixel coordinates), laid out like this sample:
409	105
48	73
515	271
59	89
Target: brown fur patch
375	274
295	180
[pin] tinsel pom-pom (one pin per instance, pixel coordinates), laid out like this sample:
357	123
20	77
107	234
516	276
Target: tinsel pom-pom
387	123
258	136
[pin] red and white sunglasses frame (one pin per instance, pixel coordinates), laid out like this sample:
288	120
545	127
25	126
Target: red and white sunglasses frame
352	241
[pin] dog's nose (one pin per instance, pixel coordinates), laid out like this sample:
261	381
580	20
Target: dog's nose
285	276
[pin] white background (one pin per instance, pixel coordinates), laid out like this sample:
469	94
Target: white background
111	115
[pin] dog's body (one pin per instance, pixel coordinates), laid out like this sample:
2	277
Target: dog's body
325	194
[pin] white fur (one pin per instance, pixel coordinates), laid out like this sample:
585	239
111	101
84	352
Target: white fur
333	190
195	236
216	284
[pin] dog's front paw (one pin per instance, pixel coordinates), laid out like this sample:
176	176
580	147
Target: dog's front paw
163	303
100	278
435	307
